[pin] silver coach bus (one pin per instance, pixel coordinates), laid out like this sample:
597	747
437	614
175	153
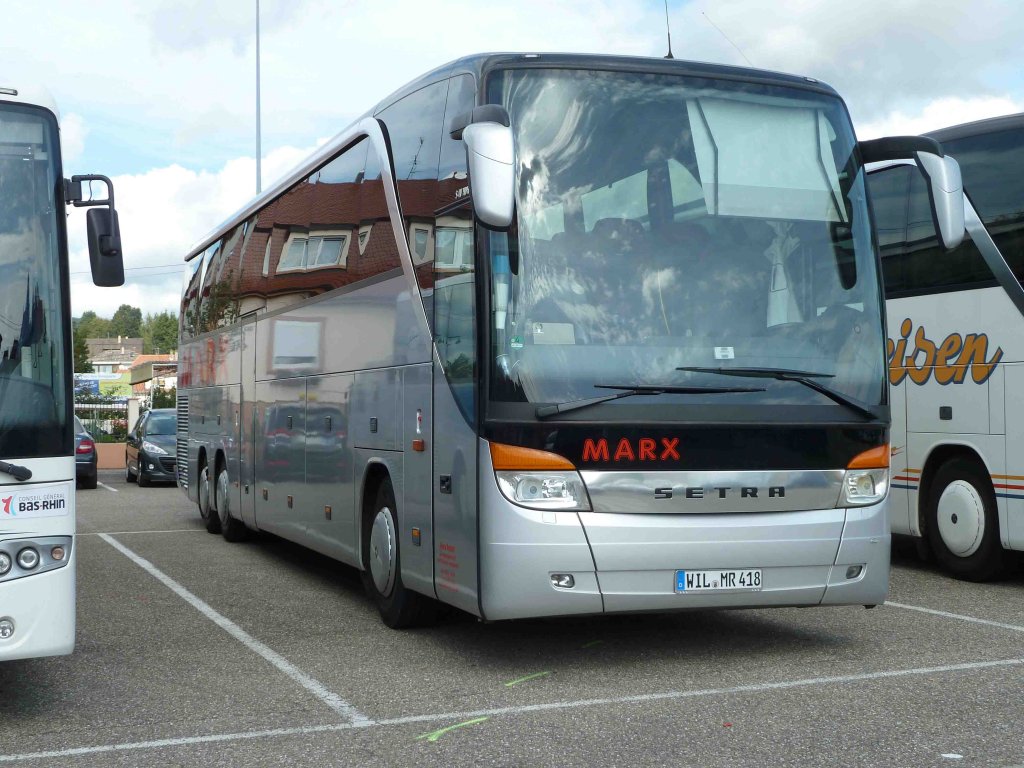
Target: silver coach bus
554	334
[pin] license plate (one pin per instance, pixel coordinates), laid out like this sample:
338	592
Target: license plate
747	580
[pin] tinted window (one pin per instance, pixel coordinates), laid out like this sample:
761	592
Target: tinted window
219	304
414	128
161	423
993	177
376	240
913	260
189	313
329	231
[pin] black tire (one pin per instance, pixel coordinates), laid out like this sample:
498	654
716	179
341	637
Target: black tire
962	521
89	481
399	607
129	476
143	479
232	529
205	491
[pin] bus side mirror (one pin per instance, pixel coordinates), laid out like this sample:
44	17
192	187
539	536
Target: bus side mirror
947	196
490	152
946	190
104	234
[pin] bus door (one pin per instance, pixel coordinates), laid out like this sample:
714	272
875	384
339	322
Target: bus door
455	448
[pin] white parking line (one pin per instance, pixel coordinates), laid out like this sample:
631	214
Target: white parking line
518	710
315	687
124	533
104	485
961	617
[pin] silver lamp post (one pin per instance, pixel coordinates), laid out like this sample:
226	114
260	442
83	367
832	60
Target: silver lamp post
259	151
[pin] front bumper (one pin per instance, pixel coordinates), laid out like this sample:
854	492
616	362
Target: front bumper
42	608
158	468
626	562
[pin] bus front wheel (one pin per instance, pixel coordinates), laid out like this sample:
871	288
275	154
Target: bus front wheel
963	521
399	607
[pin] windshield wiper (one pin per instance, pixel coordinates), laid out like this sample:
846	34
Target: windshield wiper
800	377
16	471
550	410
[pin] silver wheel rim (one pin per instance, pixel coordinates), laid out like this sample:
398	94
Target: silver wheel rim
204	492
961	518
222	495
382	549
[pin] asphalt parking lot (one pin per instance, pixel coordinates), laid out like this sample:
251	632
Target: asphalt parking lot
192	651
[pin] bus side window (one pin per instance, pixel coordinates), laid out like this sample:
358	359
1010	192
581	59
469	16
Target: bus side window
888	191
991	168
305	237
219	306
414	128
915	263
189	312
454	266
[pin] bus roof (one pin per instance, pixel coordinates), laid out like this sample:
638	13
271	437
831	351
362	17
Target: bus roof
481	64
29	95
989	125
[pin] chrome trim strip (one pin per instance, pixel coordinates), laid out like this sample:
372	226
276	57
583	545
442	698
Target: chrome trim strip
713	492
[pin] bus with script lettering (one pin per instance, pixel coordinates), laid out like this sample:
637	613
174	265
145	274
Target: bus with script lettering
956	352
37	440
549	334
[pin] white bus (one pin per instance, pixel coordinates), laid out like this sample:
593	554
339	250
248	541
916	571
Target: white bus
37	445
956	348
551	334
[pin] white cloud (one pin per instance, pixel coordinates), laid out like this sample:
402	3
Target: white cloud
940	113
880	55
73	133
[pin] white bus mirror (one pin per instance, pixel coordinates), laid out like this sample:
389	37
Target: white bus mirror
490	151
947	196
492	177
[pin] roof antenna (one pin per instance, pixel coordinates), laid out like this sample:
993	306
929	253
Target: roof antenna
668	31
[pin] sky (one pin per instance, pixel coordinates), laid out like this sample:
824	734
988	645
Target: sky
160	95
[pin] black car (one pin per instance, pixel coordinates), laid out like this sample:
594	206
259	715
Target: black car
85	457
151	448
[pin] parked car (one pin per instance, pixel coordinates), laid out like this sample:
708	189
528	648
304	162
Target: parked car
151	448
85	457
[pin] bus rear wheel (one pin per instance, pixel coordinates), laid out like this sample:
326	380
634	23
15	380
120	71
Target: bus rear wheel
231	528
206	510
399	607
963	521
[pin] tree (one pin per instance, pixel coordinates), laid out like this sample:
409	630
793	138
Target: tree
159	333
165	398
127	321
81	353
89	326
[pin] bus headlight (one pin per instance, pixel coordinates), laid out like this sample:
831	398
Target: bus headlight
5	563
865	486
544	490
153	448
28	558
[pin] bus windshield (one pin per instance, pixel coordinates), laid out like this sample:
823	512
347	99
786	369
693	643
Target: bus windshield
666	222
35	419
